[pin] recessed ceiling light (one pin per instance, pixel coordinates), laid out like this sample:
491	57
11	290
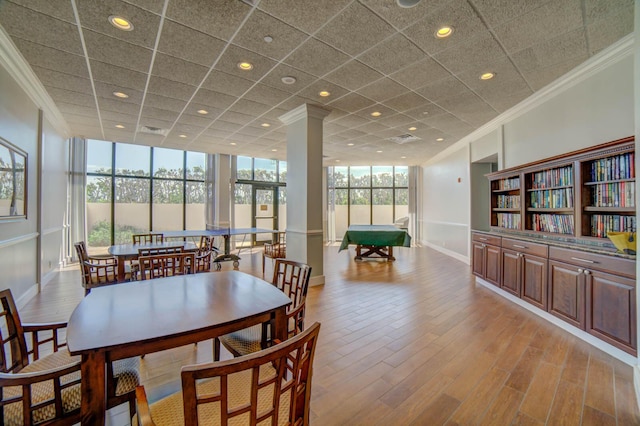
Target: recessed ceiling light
287	79
487	76
120	23
413	128
268	39
266	125
407	3
426	112
120	95
232	143
337	161
182	136
404	156
203	111
378	152
350	144
376	114
274	150
440	139
324	93
444	32
245	66
119	126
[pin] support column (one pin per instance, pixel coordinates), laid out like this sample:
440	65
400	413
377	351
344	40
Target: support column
219	205
304	187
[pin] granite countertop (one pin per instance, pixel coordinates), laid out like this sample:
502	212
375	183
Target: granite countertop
597	247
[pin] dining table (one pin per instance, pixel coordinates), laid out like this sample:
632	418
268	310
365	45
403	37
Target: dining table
137	318
127	252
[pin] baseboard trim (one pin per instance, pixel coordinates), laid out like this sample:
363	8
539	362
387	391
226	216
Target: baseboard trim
317	280
451	253
46	279
583	335
636	383
22	301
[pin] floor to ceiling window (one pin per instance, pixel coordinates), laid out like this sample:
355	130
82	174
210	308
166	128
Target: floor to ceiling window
366	195
260	196
136	189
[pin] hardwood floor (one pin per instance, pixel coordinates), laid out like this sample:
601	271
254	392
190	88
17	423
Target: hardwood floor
417	342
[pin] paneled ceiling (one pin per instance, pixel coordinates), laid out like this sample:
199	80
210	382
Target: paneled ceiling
371	56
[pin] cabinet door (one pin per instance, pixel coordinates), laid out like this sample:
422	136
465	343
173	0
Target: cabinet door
534	280
492	265
478	259
611	309
511	272
566	293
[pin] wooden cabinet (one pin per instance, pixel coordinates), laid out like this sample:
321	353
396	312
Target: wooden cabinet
611	309
567	293
582	194
486	257
524	271
596	293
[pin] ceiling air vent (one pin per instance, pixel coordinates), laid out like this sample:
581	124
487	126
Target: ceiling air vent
407	137
153	130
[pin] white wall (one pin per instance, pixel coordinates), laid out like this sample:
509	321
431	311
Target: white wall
596	110
55	163
18	238
445	203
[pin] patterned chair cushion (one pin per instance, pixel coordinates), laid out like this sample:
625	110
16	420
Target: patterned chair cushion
245	341
169	411
126	371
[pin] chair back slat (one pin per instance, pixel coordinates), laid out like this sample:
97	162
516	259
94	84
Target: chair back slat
147	238
160	250
13	356
292	278
270	379
166	265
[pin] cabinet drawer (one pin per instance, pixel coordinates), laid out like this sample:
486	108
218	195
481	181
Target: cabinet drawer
487	239
583	259
526	247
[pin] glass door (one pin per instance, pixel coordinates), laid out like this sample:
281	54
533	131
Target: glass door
265	208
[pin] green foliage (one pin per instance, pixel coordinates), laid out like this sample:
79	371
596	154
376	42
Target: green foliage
100	234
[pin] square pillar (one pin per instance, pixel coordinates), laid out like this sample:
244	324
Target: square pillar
304	187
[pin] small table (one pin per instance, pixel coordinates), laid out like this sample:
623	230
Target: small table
126	320
378	240
126	252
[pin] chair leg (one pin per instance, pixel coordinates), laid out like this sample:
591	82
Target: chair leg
216	349
132	405
263	256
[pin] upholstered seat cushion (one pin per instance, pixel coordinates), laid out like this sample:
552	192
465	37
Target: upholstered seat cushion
245	341
169	411
126	371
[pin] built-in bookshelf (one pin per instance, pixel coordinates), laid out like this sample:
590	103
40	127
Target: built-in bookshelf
506	202
608	197
549	206
584	193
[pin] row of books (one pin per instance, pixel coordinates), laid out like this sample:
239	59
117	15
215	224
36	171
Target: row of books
601	224
508	202
508	220
619	194
562	176
613	168
552	199
556	223
512	183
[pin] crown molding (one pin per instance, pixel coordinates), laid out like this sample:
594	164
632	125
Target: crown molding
18	68
304	111
613	54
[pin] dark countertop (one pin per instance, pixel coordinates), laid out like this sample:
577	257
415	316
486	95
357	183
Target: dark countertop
597	247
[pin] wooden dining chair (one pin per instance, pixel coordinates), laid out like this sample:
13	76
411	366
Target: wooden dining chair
147	238
96	271
40	382
275	250
135	264
206	250
271	386
166	265
293	279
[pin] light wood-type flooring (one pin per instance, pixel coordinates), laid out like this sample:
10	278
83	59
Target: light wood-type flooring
417	342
